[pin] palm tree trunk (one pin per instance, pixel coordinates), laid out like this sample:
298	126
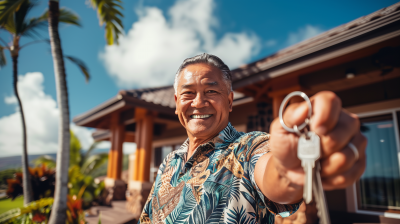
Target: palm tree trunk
28	194
58	213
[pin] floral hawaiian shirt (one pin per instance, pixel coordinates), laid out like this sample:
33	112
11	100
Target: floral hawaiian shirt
216	185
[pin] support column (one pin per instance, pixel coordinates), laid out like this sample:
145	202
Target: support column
139	187
145	149
114	185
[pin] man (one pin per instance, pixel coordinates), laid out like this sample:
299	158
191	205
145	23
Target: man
220	175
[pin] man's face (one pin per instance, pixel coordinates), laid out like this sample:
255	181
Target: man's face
203	101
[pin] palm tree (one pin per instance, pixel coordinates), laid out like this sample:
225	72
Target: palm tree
16	24
108	13
13	19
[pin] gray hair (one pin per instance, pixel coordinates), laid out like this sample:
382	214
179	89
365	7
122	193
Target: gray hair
210	60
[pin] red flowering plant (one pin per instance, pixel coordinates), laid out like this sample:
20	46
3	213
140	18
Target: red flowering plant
75	214
42	181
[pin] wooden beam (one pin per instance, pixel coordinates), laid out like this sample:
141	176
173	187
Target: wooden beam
285	91
129	137
263	90
103	124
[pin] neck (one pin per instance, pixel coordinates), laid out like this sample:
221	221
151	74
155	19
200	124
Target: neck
195	141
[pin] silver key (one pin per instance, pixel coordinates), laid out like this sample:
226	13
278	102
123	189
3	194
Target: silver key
319	196
308	151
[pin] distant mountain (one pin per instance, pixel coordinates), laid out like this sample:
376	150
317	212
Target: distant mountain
15	161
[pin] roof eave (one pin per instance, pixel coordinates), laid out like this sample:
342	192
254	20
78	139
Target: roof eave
262	70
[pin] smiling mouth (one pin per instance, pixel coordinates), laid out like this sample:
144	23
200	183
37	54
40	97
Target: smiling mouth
197	116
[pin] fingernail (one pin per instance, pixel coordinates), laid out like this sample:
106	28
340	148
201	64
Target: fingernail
320	131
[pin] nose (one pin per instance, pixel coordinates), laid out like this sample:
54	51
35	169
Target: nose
200	101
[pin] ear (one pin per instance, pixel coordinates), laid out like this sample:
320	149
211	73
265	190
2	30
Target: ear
176	106
230	98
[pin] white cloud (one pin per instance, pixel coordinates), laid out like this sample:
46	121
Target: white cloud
41	115
303	33
152	50
85	137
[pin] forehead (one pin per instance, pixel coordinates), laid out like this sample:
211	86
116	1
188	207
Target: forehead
200	71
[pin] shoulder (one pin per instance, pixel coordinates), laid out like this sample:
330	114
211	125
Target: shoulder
252	143
254	137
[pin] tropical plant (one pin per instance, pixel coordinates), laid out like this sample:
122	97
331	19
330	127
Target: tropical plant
42	182
81	183
108	13
45	159
82	165
34	212
13	19
7	174
39	212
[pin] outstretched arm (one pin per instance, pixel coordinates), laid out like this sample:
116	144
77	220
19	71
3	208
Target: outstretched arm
279	174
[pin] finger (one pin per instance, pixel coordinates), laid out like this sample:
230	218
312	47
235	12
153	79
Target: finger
346	128
326	110
347	178
341	161
295	114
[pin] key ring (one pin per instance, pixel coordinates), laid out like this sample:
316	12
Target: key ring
295	129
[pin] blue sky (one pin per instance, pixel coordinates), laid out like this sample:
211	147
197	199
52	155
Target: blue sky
160	34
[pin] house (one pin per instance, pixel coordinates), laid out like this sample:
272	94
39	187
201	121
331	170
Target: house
359	61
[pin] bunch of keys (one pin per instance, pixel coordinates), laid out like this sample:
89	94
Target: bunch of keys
308	151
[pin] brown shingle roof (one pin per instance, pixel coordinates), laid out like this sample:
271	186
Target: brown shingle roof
162	95
286	54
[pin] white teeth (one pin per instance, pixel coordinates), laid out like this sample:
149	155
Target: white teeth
201	116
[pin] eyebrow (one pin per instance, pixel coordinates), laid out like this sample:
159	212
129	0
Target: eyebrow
207	83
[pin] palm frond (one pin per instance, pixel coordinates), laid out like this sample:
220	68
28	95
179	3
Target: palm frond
16	22
93	162
69	17
7	10
91	148
3	60
74	151
20	16
48	160
66	16
82	66
109	14
30	27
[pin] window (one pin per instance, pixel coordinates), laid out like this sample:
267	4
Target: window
379	186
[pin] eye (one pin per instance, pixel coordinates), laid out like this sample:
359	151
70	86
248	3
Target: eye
211	91
187	93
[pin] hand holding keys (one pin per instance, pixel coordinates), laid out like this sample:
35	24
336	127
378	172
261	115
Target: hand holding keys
308	151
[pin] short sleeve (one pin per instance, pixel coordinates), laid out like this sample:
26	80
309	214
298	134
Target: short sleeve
260	146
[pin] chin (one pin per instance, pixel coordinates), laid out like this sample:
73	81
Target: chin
200	130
